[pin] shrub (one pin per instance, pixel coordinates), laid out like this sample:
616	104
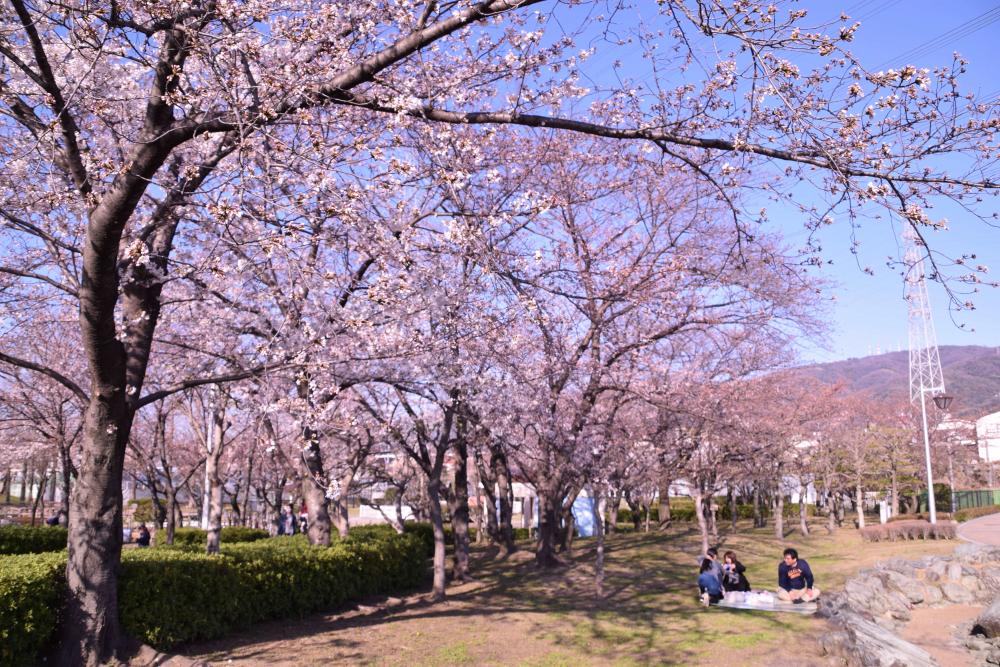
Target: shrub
31	588
32	540
199	537
974	512
172	596
909	530
919	516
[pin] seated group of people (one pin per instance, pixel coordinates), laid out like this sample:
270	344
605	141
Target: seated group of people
795	578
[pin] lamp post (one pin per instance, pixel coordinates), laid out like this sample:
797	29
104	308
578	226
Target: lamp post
942	402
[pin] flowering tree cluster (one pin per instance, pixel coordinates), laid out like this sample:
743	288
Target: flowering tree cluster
320	231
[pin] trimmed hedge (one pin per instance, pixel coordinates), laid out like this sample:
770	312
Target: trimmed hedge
199	537
31	588
32	540
975	512
169	596
919	516
909	530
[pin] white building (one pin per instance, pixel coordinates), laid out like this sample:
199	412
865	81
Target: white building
988	435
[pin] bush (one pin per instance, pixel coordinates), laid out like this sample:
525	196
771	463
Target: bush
32	540
909	530
199	537
31	590
974	512
919	516
168	597
175	595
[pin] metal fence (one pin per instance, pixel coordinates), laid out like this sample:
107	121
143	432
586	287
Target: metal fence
976	498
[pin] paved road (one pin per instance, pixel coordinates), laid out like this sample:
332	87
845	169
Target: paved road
984	530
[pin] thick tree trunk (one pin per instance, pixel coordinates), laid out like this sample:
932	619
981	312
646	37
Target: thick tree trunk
437	525
42	481
615	500
341	514
90	631
400	526
459	506
314	492
549	506
478	514
734	510
664	518
758	513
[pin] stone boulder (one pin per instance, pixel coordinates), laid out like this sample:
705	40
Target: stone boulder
874	646
956	593
988	622
910	588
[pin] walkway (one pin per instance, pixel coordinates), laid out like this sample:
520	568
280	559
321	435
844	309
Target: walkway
984	530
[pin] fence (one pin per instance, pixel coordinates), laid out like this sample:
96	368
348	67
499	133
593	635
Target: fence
976	498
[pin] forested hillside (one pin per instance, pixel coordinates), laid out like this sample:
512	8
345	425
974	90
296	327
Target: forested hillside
971	375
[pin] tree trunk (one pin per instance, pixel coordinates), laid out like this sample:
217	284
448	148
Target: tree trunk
734	510
859	501
600	507
459	506
437	525
779	515
758	514
567	522
8	482
24	483
803	515
894	490
489	507
549	506
42	480
711	515
314	491
478	515
90	631
664	517
699	511
616	501
831	519
244	512
171	511
501	473
213	482
341	515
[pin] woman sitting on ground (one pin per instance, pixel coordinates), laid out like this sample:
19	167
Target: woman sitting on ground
733	578
708	584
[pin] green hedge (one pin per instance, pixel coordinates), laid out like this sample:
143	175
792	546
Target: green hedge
171	596
32	540
31	588
199	537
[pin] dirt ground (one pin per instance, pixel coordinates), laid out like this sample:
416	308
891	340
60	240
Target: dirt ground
515	614
931	630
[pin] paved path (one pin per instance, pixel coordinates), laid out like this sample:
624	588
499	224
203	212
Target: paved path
984	530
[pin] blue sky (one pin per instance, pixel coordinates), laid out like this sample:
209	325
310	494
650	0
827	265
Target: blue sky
868	312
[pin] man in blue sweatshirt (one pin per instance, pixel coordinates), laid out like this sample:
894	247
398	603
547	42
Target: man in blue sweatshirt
795	579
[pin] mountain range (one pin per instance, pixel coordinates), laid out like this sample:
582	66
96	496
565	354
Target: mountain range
971	375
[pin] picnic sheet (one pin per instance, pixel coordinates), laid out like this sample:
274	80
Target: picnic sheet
764	601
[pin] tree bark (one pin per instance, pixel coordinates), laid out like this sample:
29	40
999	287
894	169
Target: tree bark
699	511
314	491
859	502
803	517
213	480
549	506
664	518
459	505
437	525
501	473
779	514
599	504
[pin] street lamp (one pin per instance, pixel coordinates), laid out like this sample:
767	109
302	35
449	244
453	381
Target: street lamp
942	401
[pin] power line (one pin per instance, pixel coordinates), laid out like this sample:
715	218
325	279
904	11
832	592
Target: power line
971	26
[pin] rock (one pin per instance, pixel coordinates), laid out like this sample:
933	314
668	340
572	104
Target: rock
956	593
932	594
878	647
970	550
913	590
977	644
993	657
990	581
937	569
955	572
988	622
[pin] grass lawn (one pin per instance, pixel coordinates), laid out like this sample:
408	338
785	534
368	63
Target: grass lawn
516	615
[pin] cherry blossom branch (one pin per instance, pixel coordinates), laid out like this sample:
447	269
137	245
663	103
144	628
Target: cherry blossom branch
45	370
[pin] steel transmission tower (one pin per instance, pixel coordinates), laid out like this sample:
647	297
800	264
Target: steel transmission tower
925	362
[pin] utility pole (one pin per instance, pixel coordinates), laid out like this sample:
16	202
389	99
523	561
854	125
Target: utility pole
925	362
